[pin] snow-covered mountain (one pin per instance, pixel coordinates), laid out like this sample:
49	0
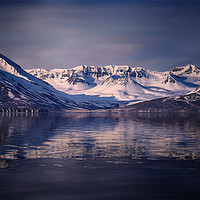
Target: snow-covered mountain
19	89
122	82
89	87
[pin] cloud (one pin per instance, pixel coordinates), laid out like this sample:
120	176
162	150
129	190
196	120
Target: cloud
70	33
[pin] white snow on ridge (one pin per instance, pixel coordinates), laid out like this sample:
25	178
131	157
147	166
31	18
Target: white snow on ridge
27	86
92	87
17	84
10	94
121	82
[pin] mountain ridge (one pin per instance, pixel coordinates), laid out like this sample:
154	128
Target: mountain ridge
18	88
183	103
124	83
89	87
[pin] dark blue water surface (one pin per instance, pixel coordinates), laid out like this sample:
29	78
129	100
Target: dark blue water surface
99	156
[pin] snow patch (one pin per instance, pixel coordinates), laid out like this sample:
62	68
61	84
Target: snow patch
10	94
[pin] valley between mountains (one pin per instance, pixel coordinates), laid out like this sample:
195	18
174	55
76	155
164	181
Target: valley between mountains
98	87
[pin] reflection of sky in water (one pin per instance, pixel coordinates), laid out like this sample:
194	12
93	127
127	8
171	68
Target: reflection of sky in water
86	135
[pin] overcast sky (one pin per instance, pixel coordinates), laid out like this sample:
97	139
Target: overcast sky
158	35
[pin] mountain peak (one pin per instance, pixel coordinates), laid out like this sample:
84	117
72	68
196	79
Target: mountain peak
8	65
188	69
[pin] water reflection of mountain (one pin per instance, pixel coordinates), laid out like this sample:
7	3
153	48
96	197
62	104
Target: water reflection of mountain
93	135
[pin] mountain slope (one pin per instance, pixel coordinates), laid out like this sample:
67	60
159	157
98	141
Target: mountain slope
98	87
184	103
19	88
122	82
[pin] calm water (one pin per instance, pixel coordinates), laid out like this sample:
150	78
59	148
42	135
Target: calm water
99	156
